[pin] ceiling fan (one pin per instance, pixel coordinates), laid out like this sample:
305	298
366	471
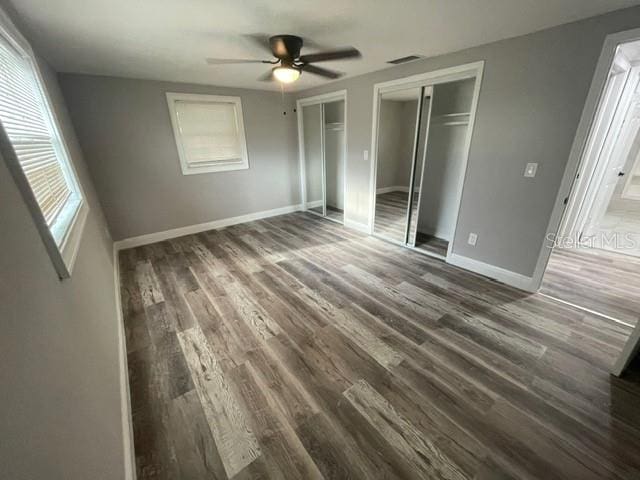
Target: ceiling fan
289	64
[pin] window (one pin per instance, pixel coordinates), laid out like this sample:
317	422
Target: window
209	132
35	153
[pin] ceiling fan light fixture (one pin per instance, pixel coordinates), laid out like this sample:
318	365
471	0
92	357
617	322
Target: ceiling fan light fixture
286	74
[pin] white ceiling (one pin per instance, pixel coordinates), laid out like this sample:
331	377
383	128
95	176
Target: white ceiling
169	39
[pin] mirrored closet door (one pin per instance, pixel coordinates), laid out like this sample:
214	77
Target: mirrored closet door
422	144
397	131
323	153
313	162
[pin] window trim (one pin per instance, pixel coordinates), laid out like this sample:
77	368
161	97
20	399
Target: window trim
63	247
172	97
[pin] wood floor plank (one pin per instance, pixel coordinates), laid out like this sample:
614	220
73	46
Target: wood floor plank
291	347
426	458
196	453
281	447
234	439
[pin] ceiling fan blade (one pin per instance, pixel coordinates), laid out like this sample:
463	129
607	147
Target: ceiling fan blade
323	72
332	55
267	77
261	40
229	61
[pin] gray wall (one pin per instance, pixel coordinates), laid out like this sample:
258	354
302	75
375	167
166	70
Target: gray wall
532	95
59	365
395	142
125	133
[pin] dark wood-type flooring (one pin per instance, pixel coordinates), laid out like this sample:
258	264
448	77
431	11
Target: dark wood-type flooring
391	215
294	348
391	222
432	244
602	281
335	213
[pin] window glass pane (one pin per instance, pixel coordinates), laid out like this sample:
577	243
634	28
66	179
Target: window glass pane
25	121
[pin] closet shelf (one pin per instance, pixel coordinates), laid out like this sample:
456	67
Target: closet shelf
335	126
460	114
448	124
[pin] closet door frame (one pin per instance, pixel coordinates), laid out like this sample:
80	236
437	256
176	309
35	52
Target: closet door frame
446	75
340	95
422	170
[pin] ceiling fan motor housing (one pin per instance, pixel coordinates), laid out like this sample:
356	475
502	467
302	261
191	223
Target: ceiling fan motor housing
286	47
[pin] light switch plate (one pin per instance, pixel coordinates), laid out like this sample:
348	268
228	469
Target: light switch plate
531	170
365	155
473	239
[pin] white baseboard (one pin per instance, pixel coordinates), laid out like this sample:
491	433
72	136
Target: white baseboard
362	227
125	397
315	204
508	277
393	188
201	227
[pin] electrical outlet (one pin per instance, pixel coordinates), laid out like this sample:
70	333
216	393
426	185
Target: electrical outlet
530	170
473	238
365	155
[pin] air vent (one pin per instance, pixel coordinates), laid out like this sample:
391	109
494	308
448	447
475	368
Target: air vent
407	59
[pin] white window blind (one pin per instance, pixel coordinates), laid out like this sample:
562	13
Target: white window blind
209	132
23	117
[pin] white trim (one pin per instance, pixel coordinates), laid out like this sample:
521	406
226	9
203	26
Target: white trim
71	245
460	72
508	277
125	396
393	188
631	348
566	190
450	74
62	253
422	169
324	162
467	151
202	227
323	98
585	309
589	110
314	204
339	95
187	169
627	184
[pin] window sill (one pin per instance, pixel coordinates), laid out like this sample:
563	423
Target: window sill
192	170
71	242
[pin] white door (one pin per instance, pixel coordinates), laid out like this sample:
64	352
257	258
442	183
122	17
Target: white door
614	167
605	122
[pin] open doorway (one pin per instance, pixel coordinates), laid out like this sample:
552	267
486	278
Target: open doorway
595	259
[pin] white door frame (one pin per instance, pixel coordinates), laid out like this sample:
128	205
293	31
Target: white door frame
445	75
320	100
582	191
596	90
566	191
627	184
